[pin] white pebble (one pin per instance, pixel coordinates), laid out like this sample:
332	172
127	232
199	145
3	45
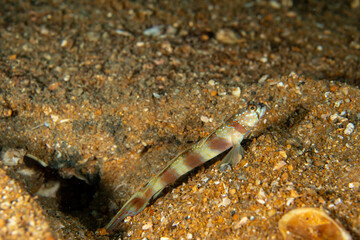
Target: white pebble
204	119
349	129
66	78
156	95
338	103
63	43
225	202
331	205
275	4
289	201
147	226
354	184
337	201
140	44
236	92
12	156
205	179
154	31
54	117
242	222
227	36
263	78
27	172
279	165
263	59
280	84
49	189
212	82
122	33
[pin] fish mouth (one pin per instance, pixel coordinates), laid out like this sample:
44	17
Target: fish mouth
262	110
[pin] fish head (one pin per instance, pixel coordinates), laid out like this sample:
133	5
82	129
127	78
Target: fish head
252	114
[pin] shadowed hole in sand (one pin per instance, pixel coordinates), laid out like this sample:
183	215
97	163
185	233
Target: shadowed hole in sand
66	189
72	191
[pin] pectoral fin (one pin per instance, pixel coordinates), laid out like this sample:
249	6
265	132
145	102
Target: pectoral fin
234	156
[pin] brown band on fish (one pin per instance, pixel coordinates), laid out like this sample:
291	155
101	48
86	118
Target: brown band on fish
138	203
239	127
219	144
169	176
149	192
193	159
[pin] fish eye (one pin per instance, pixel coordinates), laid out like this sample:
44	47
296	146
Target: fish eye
252	107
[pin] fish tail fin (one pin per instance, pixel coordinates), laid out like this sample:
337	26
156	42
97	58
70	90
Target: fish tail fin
132	207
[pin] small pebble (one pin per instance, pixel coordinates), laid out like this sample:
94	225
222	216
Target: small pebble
337	201
140	44
242	222
204	119
291	14
227	36
275	4
338	103
336	116
93	36
66	78
349	129
331	205
213	93
236	92
263	59
147	226
54	118
154	31
26	172
280	84
44	31
283	154
289	201
345	90
232	191
261	197
212	82
54	86
4	113
48	189
64	43
279	165
354	185
123	33
12	156
156	95
205	179
225	202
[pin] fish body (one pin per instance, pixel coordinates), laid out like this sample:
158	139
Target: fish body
228	135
